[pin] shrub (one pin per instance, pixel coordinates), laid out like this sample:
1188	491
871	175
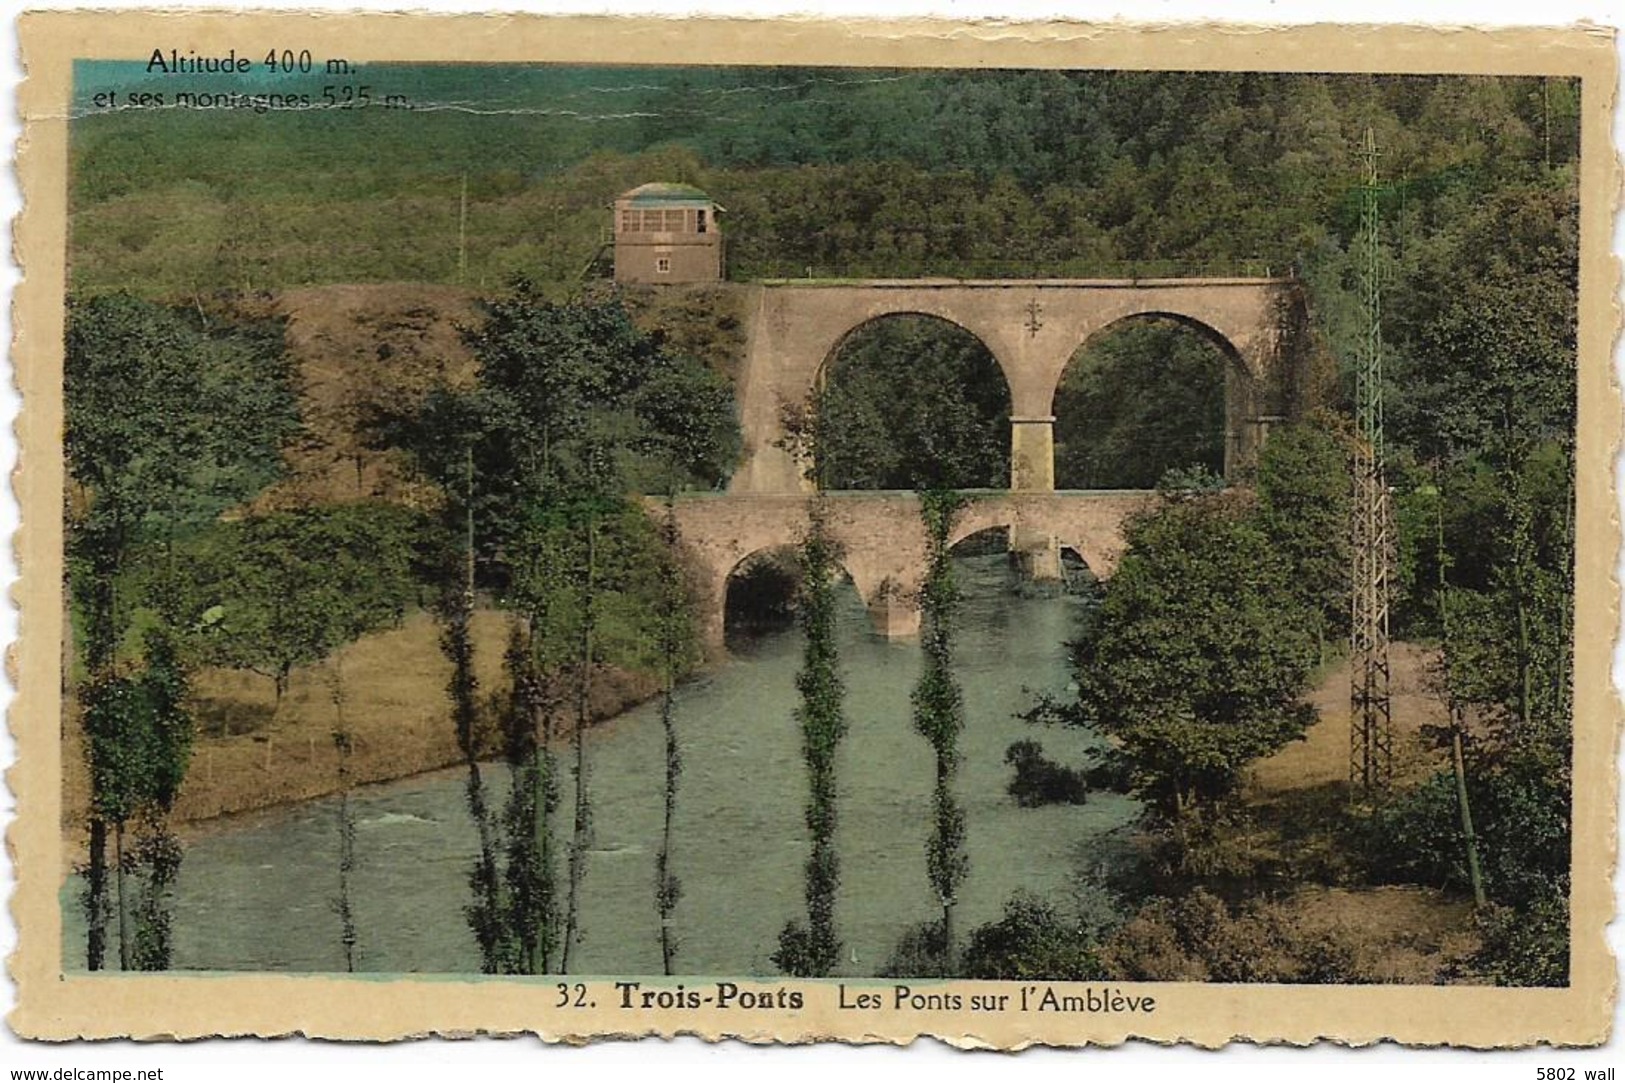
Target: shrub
1199	938
1032	941
921	952
1520	816
1039	780
1525	946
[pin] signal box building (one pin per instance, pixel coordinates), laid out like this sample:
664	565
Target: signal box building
667	233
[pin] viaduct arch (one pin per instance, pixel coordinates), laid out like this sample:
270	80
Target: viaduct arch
1033	327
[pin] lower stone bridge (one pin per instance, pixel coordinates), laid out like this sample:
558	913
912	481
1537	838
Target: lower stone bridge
884	543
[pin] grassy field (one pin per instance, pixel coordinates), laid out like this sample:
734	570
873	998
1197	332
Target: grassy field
1296	800
252	754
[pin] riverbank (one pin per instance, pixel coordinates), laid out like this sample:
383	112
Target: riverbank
255	892
253	754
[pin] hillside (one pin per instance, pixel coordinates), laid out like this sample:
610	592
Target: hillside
980	173
361	349
358	349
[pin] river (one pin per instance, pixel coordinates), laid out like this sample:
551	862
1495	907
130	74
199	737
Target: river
257	893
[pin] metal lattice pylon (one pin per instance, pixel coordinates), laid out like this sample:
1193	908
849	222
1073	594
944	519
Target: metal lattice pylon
1371	748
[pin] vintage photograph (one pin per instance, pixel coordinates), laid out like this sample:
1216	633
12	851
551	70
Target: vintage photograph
890	541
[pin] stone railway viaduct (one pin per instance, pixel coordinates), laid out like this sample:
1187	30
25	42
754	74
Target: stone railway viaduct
1033	328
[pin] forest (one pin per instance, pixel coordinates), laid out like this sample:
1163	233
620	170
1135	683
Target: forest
537	476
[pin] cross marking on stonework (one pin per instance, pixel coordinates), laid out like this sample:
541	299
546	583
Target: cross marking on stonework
1034	309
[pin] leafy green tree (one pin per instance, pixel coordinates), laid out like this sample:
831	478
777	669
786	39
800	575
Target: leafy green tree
909	402
288	588
1491	311
1198	655
167	424
563	380
811	950
939	710
1305	501
167	420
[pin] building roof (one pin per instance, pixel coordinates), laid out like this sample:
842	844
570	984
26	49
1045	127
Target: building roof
662	194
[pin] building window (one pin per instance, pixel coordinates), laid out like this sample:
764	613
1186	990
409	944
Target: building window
663	265
700	221
674	221
629	221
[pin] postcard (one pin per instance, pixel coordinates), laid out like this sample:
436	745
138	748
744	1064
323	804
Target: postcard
793	530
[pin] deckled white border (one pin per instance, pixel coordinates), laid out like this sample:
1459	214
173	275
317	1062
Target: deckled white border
411	1062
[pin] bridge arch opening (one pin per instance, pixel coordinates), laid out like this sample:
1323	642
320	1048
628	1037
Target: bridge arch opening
1077	575
1027	556
907	401
1144	395
759	596
986	541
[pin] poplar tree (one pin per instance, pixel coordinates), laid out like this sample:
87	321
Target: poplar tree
528	914
140	735
811	950
939	710
581	826
442	437
674	639
343	744
167	423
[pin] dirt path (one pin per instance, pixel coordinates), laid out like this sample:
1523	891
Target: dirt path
1322	758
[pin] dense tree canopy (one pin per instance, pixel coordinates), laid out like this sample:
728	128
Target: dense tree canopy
168	419
848	172
1305	505
168	424
1143	398
286	589
908	402
1198	655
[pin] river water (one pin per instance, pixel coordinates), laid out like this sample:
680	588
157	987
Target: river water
258	893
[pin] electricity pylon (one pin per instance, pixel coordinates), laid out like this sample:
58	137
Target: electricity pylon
1371	744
